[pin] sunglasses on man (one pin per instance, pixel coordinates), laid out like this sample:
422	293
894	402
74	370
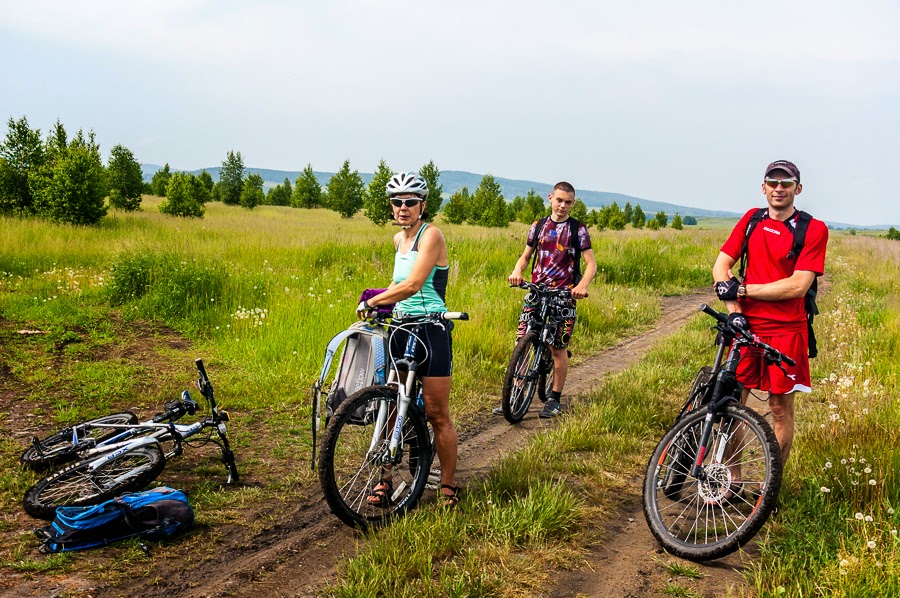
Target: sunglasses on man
410	202
785	183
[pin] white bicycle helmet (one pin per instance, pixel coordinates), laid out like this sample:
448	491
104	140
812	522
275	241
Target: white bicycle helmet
407	182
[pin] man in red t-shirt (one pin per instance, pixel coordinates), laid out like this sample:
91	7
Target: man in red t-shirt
772	293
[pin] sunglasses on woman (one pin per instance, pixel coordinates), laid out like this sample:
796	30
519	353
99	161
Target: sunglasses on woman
785	183
412	201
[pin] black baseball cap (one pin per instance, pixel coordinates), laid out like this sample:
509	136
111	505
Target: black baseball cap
788	167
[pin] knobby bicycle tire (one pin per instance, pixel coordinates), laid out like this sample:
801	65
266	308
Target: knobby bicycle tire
709	519
58	448
522	378
78	485
675	476
351	459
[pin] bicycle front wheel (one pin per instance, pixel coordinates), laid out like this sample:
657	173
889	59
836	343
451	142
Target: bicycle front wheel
65	445
81	484
741	475
673	481
355	460
522	377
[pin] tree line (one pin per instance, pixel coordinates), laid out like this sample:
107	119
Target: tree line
65	180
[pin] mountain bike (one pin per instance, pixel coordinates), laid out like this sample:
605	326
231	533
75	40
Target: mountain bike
714	478
531	365
118	455
379	433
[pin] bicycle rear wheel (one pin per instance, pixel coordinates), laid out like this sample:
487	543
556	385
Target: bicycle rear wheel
62	448
354	459
522	377
545	376
80	484
713	517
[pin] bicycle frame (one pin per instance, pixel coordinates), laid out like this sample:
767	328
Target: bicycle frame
727	389
165	432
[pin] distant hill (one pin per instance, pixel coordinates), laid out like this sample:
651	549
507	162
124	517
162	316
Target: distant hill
453	180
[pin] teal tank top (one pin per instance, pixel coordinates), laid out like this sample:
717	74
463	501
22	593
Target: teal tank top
431	297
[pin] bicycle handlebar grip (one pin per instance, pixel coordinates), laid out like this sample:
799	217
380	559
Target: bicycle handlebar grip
716	314
788	360
201	369
455	315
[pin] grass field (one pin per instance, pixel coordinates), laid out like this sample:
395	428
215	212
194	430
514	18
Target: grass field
125	307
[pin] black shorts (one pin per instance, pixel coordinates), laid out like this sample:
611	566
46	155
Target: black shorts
437	361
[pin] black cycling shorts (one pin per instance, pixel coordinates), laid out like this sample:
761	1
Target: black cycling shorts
439	360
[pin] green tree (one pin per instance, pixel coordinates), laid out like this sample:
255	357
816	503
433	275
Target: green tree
579	211
200	191
662	219
893	234
307	190
377	203
206	179
515	208
160	181
690	221
638	219
126	181
457	209
432	177
534	207
488	208
652	224
252	193
181	197
231	179
611	216
345	191
676	222
73	188
21	155
628	212
280	195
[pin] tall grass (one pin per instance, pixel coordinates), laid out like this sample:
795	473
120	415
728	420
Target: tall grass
837	535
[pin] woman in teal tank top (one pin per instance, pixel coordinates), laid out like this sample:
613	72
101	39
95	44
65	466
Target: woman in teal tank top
419	287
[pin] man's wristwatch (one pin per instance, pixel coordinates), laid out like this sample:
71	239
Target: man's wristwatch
742	291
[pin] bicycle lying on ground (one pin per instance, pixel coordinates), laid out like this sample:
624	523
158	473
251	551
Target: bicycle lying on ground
531	365
381	433
116	454
714	477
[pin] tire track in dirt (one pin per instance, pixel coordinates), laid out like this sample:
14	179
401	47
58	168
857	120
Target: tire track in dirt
299	555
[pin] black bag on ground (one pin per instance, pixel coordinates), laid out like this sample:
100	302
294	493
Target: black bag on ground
155	515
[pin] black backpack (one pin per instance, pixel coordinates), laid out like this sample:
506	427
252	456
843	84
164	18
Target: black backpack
576	244
799	230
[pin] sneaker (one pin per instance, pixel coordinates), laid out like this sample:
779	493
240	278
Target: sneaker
551	409
497	410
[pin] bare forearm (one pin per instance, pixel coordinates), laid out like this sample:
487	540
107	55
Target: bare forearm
779	290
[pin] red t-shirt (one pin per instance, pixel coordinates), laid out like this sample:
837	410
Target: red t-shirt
767	261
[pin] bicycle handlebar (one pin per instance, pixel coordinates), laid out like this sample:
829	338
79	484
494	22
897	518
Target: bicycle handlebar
540	288
771	353
201	369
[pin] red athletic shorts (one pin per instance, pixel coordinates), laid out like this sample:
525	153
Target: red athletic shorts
753	371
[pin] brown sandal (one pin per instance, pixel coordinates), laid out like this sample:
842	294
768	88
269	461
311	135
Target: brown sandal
452	499
380	497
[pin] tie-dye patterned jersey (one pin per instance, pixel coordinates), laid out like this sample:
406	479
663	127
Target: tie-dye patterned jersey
554	262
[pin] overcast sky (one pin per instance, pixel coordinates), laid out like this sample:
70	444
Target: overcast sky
684	102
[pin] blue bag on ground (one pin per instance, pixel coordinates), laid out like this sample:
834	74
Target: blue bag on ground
156	514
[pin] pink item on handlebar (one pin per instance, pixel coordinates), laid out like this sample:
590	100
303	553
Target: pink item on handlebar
380	309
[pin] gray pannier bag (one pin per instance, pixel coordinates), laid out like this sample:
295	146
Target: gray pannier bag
363	363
